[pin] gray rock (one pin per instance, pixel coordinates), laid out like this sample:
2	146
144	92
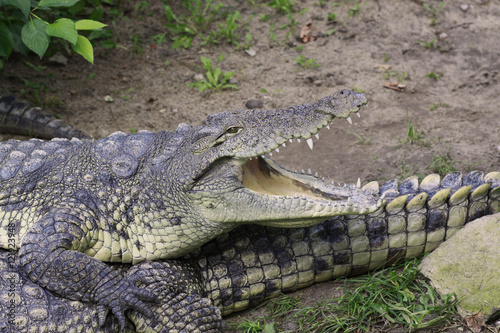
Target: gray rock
58	60
254	104
468	264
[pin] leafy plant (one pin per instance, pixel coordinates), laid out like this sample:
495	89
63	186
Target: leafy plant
215	78
331	17
305	62
432	75
354	10
434	12
283	6
428	45
228	31
23	29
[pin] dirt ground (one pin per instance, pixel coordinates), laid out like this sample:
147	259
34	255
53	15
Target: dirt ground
457	116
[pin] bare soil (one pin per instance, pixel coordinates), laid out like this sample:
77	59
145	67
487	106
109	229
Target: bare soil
457	116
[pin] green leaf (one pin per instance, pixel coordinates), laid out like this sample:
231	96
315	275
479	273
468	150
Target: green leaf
84	48
6	40
57	3
35	37
23	5
89	25
77	7
63	28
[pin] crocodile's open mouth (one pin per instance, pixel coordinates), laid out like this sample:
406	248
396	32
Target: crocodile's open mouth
264	176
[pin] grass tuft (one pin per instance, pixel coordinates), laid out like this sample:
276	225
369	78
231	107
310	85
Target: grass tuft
390	297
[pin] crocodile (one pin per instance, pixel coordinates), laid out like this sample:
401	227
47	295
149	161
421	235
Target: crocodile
253	263
20	118
72	210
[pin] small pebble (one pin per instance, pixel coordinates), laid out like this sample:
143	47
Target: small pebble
251	52
108	99
58	60
254	104
198	77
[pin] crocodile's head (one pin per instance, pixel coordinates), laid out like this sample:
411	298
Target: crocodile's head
228	180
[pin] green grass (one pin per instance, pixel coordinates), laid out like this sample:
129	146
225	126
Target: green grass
305	62
442	164
395	74
198	21
361	139
413	134
390	297
434	106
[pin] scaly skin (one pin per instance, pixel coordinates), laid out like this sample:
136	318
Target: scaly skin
68	207
253	263
20	118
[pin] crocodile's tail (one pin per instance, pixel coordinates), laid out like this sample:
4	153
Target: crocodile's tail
17	117
253	263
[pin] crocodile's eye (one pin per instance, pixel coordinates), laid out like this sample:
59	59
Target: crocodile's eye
234	130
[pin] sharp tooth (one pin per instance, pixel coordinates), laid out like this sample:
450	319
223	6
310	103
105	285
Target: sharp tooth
295	171
270	154
317	135
298	140
323	179
310	143
349	120
328	126
333	183
309	172
250	158
290	140
277	150
349	202
357	114
284	145
358	184
316	175
304	197
296	196
302	171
